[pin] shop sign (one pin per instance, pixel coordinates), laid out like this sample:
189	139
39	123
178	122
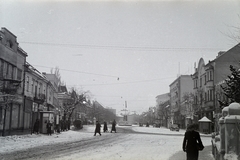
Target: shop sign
35	107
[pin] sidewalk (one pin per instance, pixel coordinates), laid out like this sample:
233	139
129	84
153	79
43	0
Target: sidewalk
206	154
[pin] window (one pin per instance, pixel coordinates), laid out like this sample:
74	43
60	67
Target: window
7	70
33	81
14	72
195	83
205	79
9	44
19	74
4	69
10	67
27	83
211	75
211	94
201	82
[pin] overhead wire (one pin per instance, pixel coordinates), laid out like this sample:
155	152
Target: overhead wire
129	82
78	71
115	47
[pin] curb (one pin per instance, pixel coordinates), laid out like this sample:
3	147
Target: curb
206	154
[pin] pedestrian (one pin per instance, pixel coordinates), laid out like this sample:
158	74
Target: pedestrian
49	126
36	126
97	129
105	128
61	125
113	126
192	142
68	124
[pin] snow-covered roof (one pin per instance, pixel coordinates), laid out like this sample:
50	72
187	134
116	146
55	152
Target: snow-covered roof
204	119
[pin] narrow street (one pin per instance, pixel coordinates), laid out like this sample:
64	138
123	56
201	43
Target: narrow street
126	144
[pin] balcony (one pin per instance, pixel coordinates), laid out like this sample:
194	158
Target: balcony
208	105
40	98
10	86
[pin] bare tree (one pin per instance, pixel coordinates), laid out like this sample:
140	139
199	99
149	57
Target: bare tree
163	112
8	91
188	105
56	71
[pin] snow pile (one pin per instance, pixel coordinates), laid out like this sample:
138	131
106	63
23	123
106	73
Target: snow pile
19	142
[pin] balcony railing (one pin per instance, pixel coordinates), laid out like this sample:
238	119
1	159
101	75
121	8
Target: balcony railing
10	86
39	98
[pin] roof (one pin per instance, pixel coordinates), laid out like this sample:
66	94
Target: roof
204	119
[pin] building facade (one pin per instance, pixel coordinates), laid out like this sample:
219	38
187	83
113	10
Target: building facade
12	62
208	79
182	86
162	112
35	101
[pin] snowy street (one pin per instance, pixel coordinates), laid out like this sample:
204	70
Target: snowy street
129	143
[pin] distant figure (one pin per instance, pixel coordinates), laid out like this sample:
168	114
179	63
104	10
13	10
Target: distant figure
36	127
98	129
192	142
49	126
105	128
147	124
68	124
113	126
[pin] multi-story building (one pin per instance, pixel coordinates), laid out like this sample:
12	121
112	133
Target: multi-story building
12	62
207	80
64	98
162	113
222	71
52	95
35	101
179	88
204	89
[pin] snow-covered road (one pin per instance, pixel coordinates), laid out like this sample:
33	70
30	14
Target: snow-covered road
155	144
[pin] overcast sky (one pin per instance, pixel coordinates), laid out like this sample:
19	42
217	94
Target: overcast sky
145	44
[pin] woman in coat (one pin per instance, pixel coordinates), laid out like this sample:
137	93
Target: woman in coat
114	126
36	126
105	128
98	129
192	142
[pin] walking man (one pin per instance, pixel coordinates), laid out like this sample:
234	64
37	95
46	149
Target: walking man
97	129
49	128
105	128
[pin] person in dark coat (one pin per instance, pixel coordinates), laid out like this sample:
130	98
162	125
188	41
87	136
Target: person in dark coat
192	142
113	126
98	129
49	126
36	126
68	124
61	124
105	128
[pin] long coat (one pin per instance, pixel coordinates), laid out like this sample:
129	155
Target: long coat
105	127
98	128
113	126
191	142
36	126
49	126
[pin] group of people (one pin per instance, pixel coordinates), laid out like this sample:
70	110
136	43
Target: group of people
105	128
48	127
65	125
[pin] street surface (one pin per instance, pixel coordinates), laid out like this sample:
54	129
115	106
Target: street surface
126	144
